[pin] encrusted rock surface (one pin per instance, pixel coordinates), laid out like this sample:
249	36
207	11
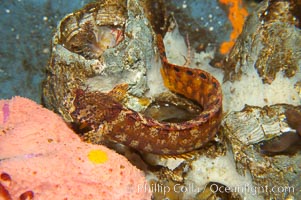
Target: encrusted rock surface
249	131
270	42
97	48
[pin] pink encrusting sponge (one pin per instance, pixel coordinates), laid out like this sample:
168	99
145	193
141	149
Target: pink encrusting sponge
41	158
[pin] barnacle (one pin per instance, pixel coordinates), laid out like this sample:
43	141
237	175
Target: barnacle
93	29
92	40
287	143
169	107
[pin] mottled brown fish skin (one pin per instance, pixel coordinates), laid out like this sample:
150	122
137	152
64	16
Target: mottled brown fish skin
149	135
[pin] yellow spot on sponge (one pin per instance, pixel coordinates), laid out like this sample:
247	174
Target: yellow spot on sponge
97	156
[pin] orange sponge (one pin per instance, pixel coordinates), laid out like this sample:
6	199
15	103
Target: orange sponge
237	15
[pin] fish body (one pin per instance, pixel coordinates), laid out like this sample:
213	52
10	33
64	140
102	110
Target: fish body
115	122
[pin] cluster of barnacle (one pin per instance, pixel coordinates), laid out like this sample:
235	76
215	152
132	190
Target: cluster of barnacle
92	40
93	29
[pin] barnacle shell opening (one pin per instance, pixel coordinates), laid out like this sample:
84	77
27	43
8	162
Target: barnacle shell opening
169	107
92	30
104	47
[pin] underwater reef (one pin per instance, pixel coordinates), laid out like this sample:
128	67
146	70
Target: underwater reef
202	96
